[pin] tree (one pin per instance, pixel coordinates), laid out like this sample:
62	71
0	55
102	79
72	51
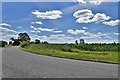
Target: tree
10	42
16	42
76	42
12	38
37	41
23	37
45	42
82	41
3	43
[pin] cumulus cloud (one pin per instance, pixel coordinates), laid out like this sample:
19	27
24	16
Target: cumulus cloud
5	24
87	16
53	14
58	38
75	32
96	35
100	17
89	34
37	22
6	30
95	2
84	13
6	33
112	23
38	30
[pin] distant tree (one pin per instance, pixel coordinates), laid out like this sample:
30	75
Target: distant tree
3	43
23	37
12	38
16	42
10	42
82	41
114	43
37	41
76	42
45	42
32	42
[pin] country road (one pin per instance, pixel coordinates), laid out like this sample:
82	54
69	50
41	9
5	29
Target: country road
19	64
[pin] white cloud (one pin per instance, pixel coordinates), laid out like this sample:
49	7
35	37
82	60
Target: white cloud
118	34
6	30
87	16
84	13
37	22
95	2
59	31
41	29
53	14
100	17
5	24
85	28
96	35
58	38
6	33
112	23
75	32
38	30
89	34
57	35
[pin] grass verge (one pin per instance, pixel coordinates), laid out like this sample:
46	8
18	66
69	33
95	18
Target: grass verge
102	56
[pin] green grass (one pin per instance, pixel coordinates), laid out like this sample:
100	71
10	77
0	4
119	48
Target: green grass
71	52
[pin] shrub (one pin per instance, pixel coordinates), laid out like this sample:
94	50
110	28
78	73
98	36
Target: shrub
25	44
10	42
66	50
37	41
3	43
16	42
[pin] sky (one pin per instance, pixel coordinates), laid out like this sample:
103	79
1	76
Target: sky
61	22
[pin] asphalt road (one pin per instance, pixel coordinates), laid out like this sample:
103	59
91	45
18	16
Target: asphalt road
19	64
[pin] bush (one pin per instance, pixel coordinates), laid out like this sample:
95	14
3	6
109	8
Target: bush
25	44
66	50
3	43
37	41
10	42
16	42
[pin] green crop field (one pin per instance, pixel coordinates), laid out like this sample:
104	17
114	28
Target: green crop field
97	52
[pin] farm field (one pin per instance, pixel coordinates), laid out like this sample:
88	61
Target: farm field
95	52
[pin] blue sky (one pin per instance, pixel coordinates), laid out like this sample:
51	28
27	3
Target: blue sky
61	22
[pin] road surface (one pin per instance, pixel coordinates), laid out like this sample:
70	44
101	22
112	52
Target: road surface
19	64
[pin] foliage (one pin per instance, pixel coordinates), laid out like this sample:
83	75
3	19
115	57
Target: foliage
97	47
76	42
86	47
71	51
45	42
16	42
10	42
25	44
23	37
31	42
37	41
12	38
3	43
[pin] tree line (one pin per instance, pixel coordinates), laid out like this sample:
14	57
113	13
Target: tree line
22	37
